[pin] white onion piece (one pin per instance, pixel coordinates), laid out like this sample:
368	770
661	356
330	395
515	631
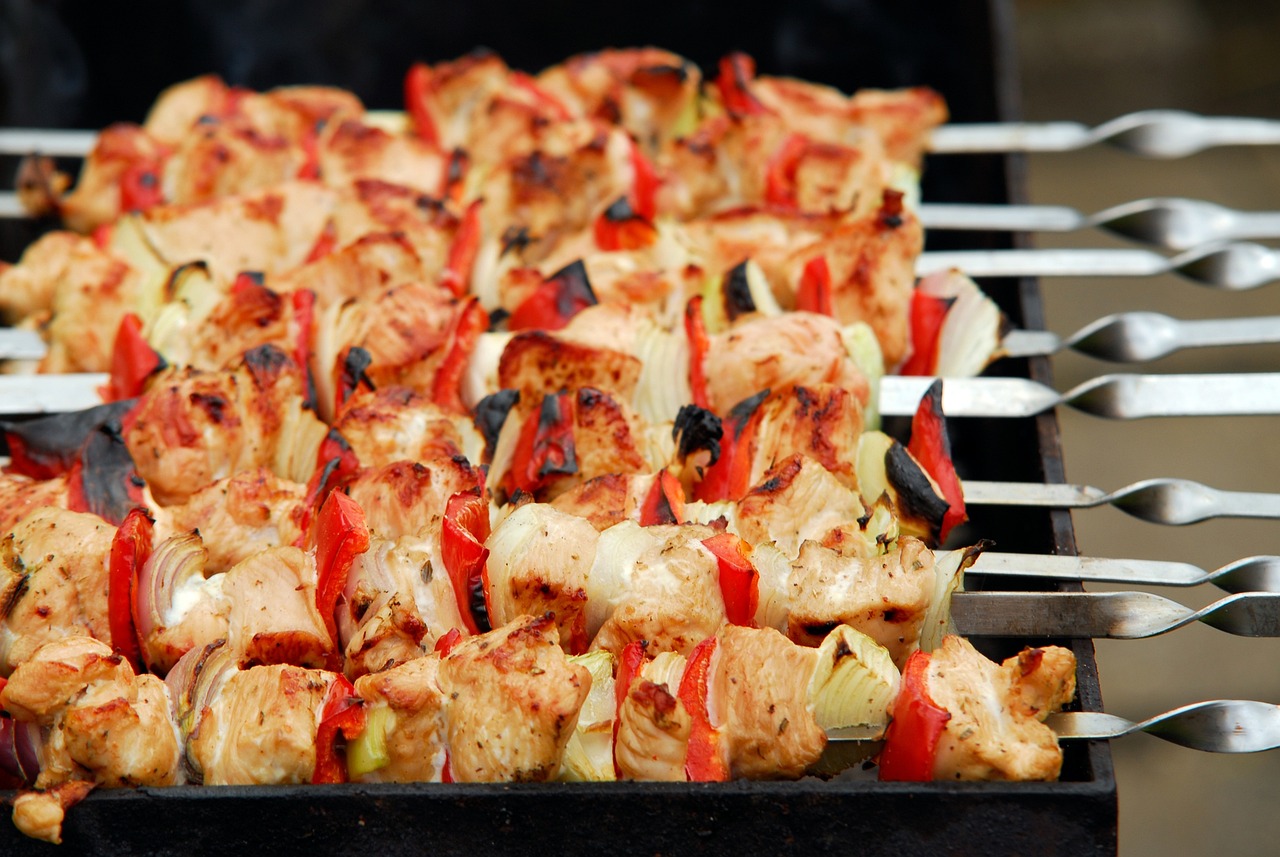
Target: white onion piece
663	385
761	292
863	348
588	757
481	378
948	571
666	669
774	568
854	682
906	178
970	335
612	573
699	512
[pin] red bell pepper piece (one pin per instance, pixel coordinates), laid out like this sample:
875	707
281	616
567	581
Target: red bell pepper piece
446	773
446	641
644	189
704	762
780	172
545	447
814	294
343	712
354	374
133	361
695	328
102	235
464	531
931	446
737	70
664	504
130	549
341	536
335	464
140	186
556	301
417	96
739	580
619	227
325	243
446	388
911	742
462	253
630	663
729	477
309	169
927	315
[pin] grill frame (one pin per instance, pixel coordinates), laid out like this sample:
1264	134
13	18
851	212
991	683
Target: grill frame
966	51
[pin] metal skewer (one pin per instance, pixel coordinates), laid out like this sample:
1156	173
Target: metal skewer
1216	726
1175	224
1159	501
1113	615
1251	574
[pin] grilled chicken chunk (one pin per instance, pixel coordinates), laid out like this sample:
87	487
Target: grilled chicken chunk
274	618
21	495
995	731
28	288
413	724
653	734
398	424
101	722
607	500
260	727
884	597
799	500
772	353
238	517
513	703
762	682
53	582
405	497
192	428
653	583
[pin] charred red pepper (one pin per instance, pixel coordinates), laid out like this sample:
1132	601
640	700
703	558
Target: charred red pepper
737	70
664	504
468	323
695	328
729	477
343	712
451	180
463	534
325	243
140	187
335	464
130	550
417	97
545	447
353	375
815	294
927	316
556	301
739	580
780	172
630	663
619	227
104	480
133	361
304	316
931	446
704	762
462	253
341	536
46	447
644	189
911	742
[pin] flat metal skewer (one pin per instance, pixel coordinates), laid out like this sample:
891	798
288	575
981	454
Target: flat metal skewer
1251	574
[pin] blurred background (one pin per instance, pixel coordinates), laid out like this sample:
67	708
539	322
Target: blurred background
1092	60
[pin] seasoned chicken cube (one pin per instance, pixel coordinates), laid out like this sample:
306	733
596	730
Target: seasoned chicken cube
513	703
27	289
821	421
21	495
53	582
353	150
398	424
413	723
995	731
659	584
537	363
260	727
770	353
798	501
238	516
274	618
102	722
653	734
404	497
761	684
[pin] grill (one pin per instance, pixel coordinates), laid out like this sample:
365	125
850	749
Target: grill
964	50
